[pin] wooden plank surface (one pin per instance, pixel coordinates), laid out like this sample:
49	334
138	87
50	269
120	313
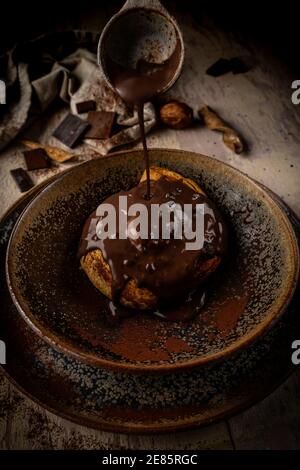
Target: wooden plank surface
258	104
273	423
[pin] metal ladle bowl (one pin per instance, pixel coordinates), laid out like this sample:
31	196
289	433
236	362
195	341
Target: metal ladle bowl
141	30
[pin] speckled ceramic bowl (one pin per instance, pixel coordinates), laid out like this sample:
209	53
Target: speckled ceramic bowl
245	297
113	401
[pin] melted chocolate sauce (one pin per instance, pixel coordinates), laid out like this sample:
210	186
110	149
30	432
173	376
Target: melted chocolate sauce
140	84
164	266
136	86
144	142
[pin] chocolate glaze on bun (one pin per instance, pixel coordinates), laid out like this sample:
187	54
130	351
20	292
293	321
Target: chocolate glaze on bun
144	273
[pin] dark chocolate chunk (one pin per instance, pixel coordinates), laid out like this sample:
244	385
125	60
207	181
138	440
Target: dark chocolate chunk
71	130
222	66
36	159
238	66
22	179
85	106
219	68
101	124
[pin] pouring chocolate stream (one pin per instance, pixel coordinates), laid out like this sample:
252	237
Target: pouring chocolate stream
136	86
164	267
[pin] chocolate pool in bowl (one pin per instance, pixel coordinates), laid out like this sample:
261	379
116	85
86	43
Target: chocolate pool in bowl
243	299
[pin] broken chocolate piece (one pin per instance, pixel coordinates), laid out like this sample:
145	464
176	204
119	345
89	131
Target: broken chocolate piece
222	66
22	179
36	159
101	124
86	106
238	66
230	136
219	68
71	130
54	153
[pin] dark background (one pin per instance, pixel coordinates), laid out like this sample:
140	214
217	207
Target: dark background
276	25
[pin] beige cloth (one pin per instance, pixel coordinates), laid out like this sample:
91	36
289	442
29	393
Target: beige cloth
74	78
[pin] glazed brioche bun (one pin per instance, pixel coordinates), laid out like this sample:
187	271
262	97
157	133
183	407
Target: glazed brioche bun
133	296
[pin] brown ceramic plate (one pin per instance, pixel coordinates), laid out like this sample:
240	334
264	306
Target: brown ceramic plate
115	401
246	296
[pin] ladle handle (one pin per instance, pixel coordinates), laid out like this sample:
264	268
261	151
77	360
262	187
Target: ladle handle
152	4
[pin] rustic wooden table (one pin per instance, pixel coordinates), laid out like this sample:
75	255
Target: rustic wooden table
259	104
